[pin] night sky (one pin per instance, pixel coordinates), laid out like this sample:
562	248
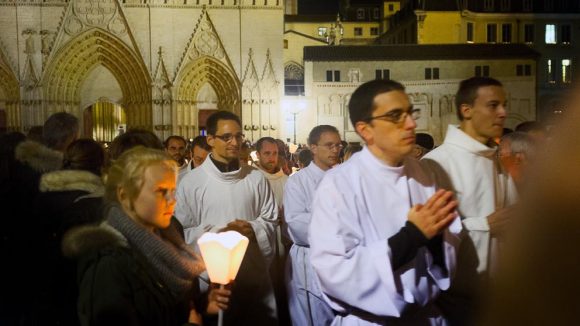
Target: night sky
317	7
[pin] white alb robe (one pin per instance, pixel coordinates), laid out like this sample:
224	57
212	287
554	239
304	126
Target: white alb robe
306	305
357	207
207	200
475	174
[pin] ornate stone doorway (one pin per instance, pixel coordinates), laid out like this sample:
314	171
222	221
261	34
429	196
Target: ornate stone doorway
103	121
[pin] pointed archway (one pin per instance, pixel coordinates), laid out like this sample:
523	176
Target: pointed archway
9	96
73	62
204	70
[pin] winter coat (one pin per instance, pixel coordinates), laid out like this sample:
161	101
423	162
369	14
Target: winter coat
19	253
67	198
117	285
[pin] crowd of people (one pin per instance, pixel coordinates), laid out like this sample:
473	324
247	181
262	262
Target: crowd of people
393	231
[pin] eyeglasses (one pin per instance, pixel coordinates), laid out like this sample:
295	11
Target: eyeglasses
397	116
332	146
228	137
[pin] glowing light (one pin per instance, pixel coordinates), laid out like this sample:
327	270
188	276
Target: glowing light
223	254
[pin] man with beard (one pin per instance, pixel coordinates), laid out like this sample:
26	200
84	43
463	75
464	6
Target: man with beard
306	304
199	151
175	147
267	154
222	195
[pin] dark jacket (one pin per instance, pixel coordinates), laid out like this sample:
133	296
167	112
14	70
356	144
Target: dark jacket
117	286
67	198
19	253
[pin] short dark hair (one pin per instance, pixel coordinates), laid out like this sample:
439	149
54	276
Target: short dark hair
305	156
58	129
425	140
317	131
133	138
263	140
467	92
362	101
166	142
84	154
200	141
213	119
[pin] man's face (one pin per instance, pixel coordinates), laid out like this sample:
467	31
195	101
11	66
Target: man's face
487	115
227	141
393	137
268	157
176	149
198	155
326	151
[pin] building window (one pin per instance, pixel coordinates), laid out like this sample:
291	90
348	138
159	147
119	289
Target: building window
551	71
566	71
529	33
550	34
376	13
506	33
523	70
482	71
548	5
491	33
333	75
528	5
360	13
293	79
505	5
431	73
322	31
358	31
565	34
469	32
488	5
285	44
374	31
391	7
382	74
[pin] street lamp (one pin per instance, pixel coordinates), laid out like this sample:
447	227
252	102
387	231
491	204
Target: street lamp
294	106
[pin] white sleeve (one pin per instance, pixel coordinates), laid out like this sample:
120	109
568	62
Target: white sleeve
296	211
349	270
265	224
185	208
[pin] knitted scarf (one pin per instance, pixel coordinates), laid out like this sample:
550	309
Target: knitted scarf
165	250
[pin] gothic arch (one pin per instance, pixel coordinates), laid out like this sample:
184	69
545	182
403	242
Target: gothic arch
198	72
9	95
74	62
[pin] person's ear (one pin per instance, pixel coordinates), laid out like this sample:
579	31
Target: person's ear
123	198
364	130
466	111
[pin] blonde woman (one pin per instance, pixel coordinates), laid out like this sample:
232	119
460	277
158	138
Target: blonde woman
135	269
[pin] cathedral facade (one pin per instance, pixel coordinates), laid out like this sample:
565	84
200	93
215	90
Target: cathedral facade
161	65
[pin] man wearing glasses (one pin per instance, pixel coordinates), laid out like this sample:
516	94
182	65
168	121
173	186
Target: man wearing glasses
382	236
307	307
222	195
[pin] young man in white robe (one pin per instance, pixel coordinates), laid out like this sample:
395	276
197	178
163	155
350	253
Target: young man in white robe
307	307
222	195
470	162
382	237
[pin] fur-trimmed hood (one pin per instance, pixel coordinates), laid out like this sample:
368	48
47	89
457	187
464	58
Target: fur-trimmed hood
88	239
69	180
39	157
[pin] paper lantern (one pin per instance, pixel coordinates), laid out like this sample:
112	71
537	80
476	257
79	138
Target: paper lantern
223	254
